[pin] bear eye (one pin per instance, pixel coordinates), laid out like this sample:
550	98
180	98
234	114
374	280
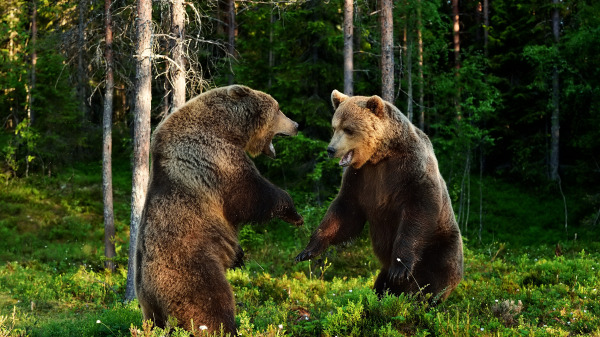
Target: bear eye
349	132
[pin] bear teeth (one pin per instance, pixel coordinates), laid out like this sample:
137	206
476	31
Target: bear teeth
347	158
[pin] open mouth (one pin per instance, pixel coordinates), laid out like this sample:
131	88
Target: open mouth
269	149
347	158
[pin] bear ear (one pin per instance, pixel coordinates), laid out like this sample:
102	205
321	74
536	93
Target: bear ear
376	105
337	98
238	91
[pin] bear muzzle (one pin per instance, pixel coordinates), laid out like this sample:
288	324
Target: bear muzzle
283	126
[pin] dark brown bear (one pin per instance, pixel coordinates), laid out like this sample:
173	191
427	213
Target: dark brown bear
203	187
394	183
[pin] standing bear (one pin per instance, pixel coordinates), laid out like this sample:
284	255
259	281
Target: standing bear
393	182
203	187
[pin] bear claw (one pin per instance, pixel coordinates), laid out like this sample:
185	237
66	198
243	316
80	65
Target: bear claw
303	256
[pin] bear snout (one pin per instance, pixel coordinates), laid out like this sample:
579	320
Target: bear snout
330	151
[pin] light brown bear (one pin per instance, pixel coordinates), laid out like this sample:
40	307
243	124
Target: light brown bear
393	182
203	187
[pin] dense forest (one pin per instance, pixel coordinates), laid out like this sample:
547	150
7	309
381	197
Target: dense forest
507	91
492	86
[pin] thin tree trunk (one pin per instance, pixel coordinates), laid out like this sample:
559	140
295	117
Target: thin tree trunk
271	59
32	78
177	71
12	34
348	47
409	94
34	31
231	35
555	130
107	188
141	129
81	68
486	26
421	77
387	51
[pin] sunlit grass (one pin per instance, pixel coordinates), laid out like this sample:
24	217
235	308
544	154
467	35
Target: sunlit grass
52	282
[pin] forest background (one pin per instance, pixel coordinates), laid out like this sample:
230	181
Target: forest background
507	91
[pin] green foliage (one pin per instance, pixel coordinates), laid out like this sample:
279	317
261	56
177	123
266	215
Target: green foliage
302	166
513	285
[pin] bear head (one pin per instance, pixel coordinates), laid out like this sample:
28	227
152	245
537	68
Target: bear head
360	126
268	121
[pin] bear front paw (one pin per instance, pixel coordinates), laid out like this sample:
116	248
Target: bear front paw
304	255
294	219
400	270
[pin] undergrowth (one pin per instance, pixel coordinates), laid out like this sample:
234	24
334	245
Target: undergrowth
526	276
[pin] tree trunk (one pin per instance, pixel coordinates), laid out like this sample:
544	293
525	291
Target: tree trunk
141	129
409	94
32	78
231	35
555	131
81	68
271	59
421	77
107	188
34	31
486	26
348	48
177	70
387	51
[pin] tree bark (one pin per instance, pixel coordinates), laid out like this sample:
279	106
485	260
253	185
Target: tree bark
409	94
107	187
34	31
81	68
178	70
231	35
421	77
141	129
486	26
387	51
271	59
348	47
555	129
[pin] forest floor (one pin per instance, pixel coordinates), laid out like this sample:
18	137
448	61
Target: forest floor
527	275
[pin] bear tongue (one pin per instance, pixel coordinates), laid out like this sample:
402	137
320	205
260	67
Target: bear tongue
347	158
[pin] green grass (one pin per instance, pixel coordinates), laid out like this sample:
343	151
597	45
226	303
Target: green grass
526	276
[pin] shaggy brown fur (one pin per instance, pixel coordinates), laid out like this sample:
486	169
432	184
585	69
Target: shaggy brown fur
394	183
203	187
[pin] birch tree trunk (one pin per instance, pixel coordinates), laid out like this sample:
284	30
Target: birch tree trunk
555	129
387	51
409	94
421	77
231	35
178	69
348	47
32	78
141	129
81	68
107	187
